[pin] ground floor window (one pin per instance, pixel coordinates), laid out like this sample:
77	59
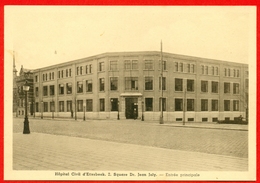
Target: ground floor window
190	104
52	106
89	104
178	104
226	105
45	106
235	105
69	106
101	104
61	106
148	104
204	104
114	104
214	105
80	105
36	107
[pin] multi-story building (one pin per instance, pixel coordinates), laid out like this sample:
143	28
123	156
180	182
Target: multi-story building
129	84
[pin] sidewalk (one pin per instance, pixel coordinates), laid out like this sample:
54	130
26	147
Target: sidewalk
209	125
38	151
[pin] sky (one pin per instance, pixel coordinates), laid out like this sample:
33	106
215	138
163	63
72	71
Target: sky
46	35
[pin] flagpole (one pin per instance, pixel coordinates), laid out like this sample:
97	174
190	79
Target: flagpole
161	116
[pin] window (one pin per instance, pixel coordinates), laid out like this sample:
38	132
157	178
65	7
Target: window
70	72
52	106
101	84
235	88
127	64
52	91
50	76
188	67
45	106
134	64
45	90
36	78
214	105
77	70
214	87
36	91
81	70
148	64
148	104
217	71
69	88
113	83
88	85
238	73
43	77
79	87
131	83
148	83
101	66
204	86
86	69
202	69
190	85
181	67
225	72
228	72
90	68
89	105
206	70
61	89
58	74
62	74
213	70
163	83
163	104
61	106
192	68
204	104
190	104
164	65
101	104
246	83
178	104
176	66
235	105
36	107
178	84
113	65
79	105
234	72
226	105
69	106
226	87
114	104
67	73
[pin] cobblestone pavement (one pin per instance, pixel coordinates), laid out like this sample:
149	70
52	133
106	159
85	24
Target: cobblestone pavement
39	151
204	139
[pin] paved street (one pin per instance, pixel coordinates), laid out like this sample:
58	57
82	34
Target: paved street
128	145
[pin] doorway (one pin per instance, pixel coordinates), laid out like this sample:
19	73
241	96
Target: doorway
131	108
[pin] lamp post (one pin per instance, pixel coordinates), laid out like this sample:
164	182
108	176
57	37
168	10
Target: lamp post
84	107
142	110
118	118
41	109
26	129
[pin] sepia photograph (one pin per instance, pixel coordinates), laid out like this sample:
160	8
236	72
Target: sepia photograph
130	93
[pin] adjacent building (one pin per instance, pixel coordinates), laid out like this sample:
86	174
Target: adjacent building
132	85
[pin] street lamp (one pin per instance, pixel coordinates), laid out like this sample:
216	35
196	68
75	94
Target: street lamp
84	107
142	110
26	129
118	118
42	110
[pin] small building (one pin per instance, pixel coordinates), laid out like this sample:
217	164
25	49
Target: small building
135	84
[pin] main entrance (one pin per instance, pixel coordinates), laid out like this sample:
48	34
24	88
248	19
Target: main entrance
131	108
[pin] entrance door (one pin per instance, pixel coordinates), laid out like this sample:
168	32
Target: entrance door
131	108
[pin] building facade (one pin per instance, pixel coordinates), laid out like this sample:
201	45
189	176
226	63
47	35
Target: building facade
132	85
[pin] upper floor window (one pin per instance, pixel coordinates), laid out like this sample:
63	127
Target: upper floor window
204	86
113	83
148	64
148	83
178	84
190	105
61	89
214	105
88	85
163	66
36	91
79	87
214	87
81	70
176	66
67	72
163	83
101	84
238	73
69	88
45	90
235	88
127	64
131	83
226	87
52	91
36	78
113	65
134	64
90	68
190	85
101	66
204	104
